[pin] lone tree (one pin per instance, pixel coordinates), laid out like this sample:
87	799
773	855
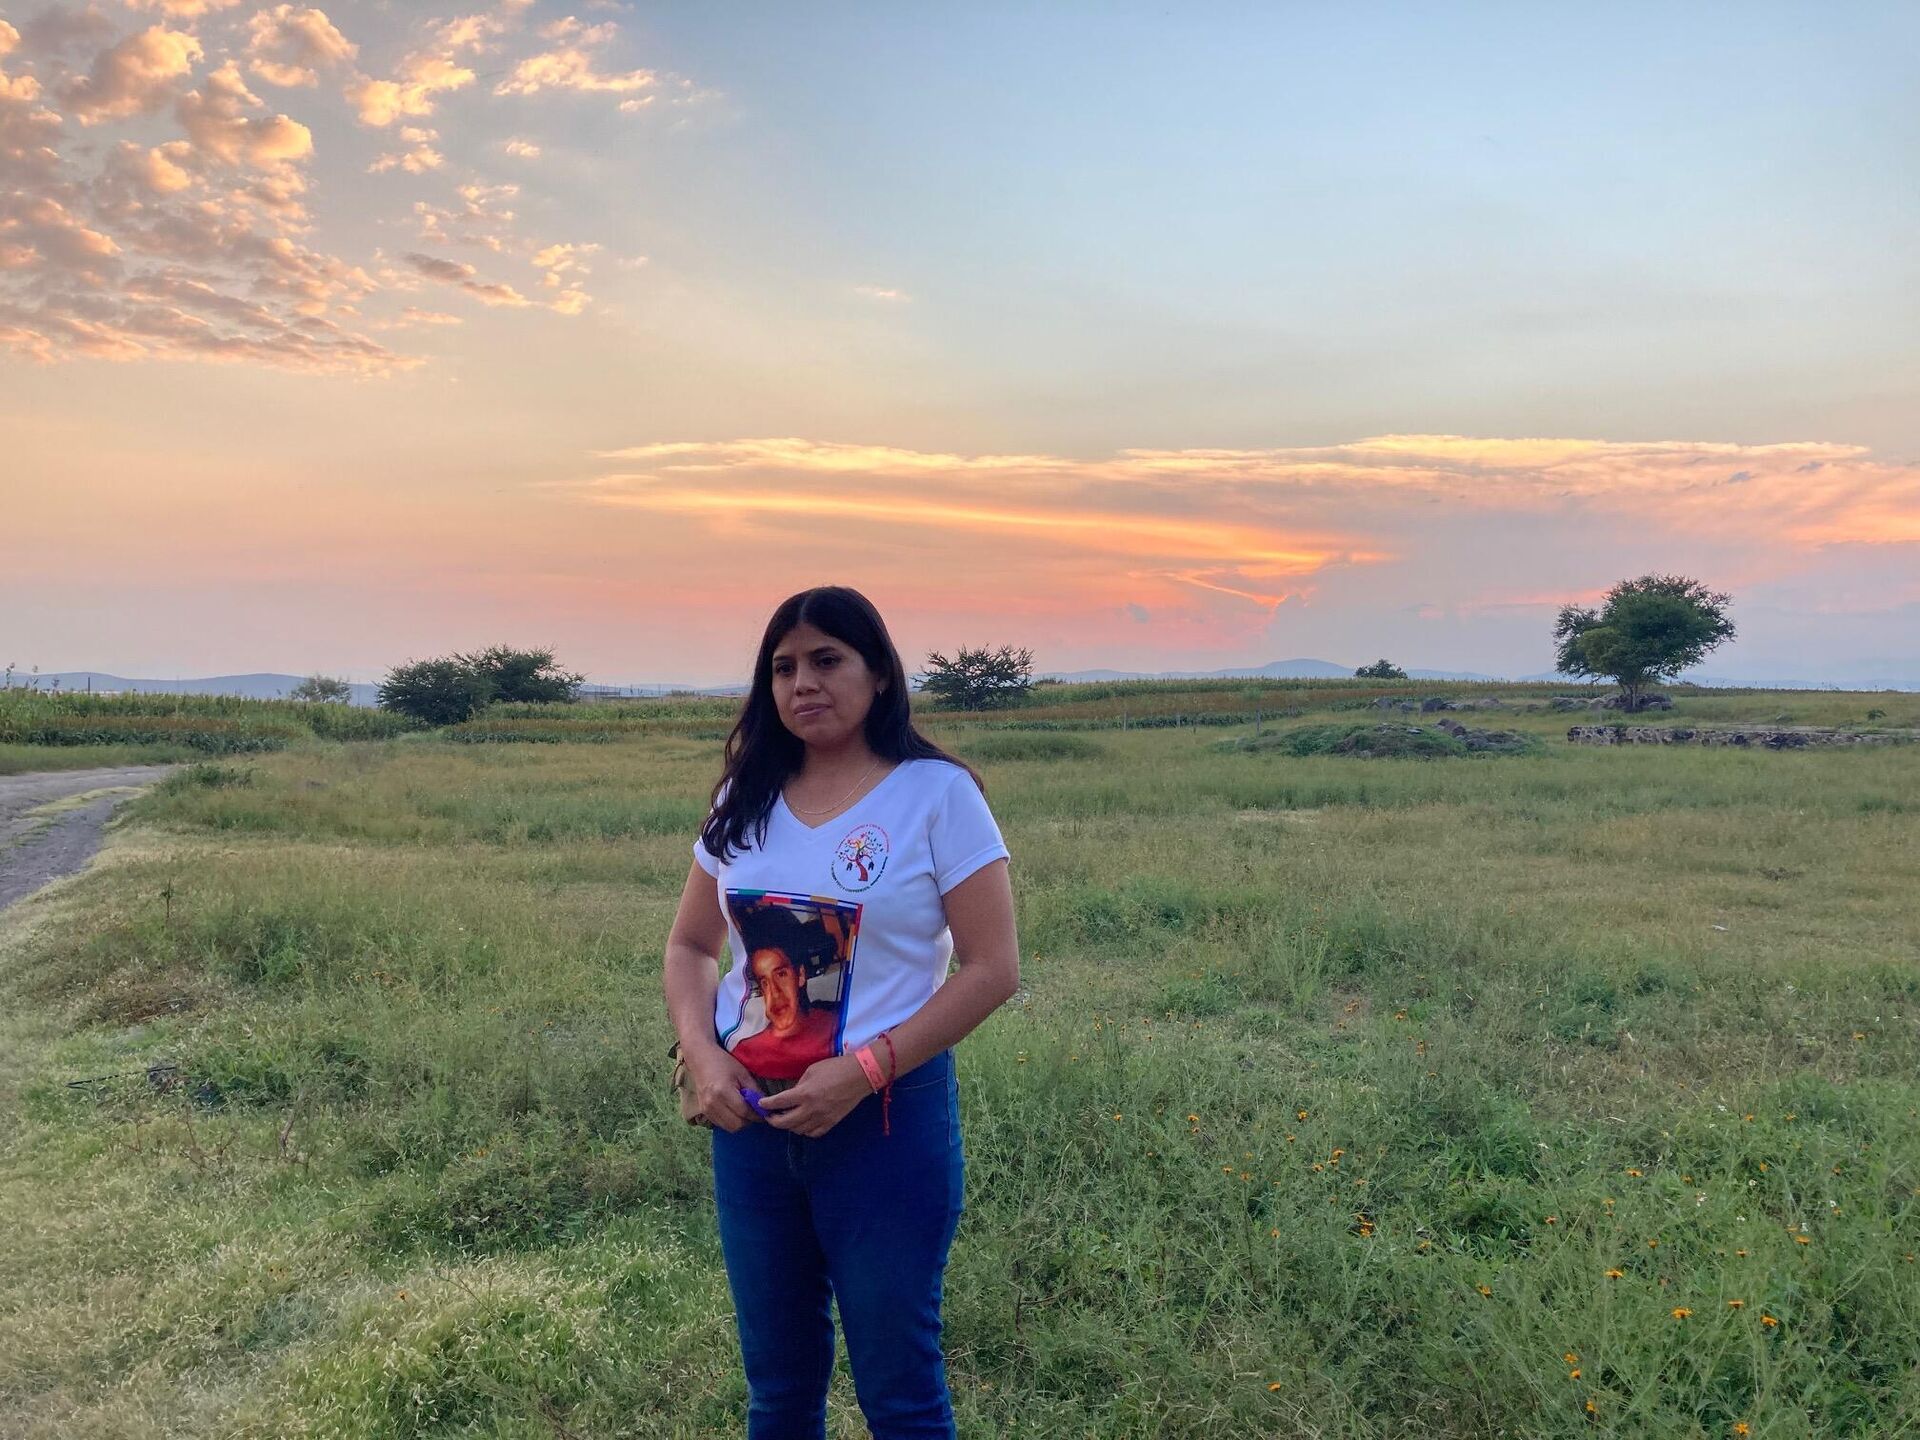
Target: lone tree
1380	670
1646	631
322	690
438	692
979	679
523	677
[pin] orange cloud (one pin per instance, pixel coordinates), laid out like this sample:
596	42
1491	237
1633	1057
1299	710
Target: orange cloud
1807	493
288	45
1249	530
1084	529
132	77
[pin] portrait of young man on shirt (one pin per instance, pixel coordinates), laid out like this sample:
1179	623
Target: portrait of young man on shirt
799	954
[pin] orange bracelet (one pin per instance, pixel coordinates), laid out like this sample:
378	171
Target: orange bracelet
871	1066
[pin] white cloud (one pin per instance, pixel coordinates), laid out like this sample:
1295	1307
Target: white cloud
57	238
572	29
165	248
133	77
157	169
882	292
288	45
482	220
417	158
423	79
561	258
570	68
469	32
28	133
217	126
182	237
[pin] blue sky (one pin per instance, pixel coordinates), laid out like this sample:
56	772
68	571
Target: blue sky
961	261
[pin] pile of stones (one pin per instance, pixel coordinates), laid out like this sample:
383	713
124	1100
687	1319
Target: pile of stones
1762	738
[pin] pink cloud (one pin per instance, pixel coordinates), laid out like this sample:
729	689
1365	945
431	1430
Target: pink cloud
423	79
456	272
288	45
133	77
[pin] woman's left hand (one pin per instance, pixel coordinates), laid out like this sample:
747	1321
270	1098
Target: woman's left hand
820	1099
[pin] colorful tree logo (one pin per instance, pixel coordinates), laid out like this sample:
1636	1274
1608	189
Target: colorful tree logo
860	858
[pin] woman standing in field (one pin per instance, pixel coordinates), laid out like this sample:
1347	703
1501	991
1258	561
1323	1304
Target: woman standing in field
845	861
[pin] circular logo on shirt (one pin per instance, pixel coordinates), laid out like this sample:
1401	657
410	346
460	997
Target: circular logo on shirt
860	857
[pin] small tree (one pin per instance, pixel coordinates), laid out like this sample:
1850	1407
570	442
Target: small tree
523	677
1380	670
1646	631
322	690
439	692
979	679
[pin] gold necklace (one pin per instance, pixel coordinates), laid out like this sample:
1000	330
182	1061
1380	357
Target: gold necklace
838	803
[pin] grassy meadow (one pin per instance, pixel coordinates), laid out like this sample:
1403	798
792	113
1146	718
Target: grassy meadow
1569	1092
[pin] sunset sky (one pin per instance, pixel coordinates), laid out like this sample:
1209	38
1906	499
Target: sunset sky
1151	337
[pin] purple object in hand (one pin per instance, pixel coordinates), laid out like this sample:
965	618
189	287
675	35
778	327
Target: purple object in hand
752	1097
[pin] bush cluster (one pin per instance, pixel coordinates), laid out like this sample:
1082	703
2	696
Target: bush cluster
452	689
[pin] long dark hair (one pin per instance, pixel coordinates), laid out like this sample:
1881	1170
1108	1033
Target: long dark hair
762	754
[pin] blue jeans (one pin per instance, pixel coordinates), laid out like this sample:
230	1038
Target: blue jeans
866	1217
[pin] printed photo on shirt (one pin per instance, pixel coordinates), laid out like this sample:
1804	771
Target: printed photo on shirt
799	952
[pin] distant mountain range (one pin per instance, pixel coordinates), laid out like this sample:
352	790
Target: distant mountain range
267	686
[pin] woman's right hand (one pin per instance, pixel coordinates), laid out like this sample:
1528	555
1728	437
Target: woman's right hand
717	1080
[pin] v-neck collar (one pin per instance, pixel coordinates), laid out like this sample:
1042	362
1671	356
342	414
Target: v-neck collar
780	799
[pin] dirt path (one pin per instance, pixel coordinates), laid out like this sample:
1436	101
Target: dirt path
50	823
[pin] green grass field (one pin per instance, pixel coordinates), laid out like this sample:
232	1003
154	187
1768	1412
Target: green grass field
1562	1093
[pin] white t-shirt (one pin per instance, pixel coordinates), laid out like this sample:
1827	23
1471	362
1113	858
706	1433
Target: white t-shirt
838	931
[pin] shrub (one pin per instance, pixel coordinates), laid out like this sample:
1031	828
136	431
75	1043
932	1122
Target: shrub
435	692
523	677
322	690
1380	670
205	776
